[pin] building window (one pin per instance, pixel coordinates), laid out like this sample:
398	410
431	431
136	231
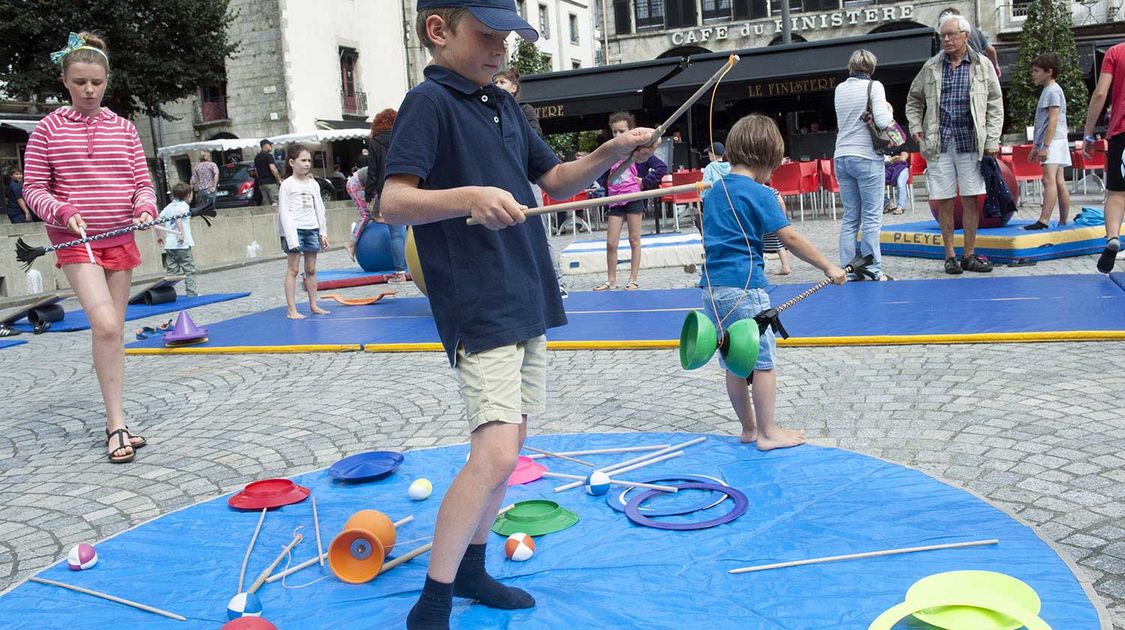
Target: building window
650	14
544	22
716	10
573	28
351	98
213	103
575	64
680	13
522	7
821	5
621	24
795	6
751	9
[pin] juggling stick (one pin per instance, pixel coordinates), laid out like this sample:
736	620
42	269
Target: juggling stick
246	558
111	598
868	554
321	558
316	526
27	254
273	565
770	318
89	251
659	131
607	451
602	201
615	482
558	455
647	462
617	468
406	557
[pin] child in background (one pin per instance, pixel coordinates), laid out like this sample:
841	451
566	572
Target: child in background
177	239
355	186
639	176
1050	148
737	212
302	226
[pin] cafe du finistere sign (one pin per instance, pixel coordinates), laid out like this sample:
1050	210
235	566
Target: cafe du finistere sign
820	21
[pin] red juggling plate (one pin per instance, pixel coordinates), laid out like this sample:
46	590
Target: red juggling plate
268	493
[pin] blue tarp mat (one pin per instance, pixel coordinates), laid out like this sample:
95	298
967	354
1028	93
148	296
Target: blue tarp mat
76	320
922	239
861	309
604	572
8	343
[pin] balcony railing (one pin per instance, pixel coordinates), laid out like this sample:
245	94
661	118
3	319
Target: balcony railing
356	103
207	112
1011	14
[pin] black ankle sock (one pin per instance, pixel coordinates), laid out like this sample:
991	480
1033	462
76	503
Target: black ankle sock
474	583
1038	225
431	611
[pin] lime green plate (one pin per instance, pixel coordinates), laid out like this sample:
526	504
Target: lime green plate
953	583
534	518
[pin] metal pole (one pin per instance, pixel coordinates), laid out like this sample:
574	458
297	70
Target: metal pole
786	26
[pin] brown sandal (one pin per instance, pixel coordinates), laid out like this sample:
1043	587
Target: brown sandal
120	459
140	440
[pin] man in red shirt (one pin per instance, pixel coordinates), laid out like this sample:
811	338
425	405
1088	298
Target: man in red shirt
1113	74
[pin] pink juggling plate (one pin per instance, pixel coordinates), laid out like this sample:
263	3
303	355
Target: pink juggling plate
527	470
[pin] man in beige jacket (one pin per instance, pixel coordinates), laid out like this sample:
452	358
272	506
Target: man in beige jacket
956	113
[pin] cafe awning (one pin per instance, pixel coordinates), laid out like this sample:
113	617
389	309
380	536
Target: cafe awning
803	68
595	91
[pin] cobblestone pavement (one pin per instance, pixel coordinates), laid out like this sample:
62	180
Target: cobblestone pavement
1037	429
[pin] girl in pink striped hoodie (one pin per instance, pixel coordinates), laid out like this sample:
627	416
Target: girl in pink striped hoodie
85	174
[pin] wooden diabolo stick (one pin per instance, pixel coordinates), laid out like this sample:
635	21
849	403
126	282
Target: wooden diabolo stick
246	558
869	554
607	451
406	557
601	201
659	131
316	526
558	455
111	598
273	565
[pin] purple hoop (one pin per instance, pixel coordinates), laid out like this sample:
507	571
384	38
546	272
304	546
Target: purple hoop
741	503
618	502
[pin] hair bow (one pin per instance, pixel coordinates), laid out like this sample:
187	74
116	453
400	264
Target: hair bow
73	43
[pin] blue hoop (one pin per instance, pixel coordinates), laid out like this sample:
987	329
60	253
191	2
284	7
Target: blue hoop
741	503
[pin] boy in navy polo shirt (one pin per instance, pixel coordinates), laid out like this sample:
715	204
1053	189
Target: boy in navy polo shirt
461	147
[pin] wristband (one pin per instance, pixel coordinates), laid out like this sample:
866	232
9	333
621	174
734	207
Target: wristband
1089	139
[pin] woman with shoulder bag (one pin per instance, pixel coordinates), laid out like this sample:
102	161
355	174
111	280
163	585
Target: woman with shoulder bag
859	167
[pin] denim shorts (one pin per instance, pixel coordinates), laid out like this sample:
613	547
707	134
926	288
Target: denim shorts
745	305
308	242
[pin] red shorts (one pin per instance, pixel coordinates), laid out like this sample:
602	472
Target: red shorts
116	258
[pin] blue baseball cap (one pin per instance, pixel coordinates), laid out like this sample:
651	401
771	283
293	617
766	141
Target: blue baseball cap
717	148
498	15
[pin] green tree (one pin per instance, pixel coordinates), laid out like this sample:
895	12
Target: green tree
160	50
527	59
1046	29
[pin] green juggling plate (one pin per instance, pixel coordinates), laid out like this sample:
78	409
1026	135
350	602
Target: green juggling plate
953	584
534	518
698	341
740	347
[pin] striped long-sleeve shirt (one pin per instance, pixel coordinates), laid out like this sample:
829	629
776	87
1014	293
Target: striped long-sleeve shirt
89	166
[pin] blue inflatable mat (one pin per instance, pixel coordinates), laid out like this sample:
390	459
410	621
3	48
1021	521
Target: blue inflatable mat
8	343
604	572
76	320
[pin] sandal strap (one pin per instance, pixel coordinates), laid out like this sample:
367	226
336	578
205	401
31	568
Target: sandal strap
120	433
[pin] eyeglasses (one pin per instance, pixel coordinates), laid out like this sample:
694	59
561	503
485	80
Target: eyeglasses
952	35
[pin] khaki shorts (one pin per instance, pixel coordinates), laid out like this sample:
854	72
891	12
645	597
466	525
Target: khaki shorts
504	384
954	173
